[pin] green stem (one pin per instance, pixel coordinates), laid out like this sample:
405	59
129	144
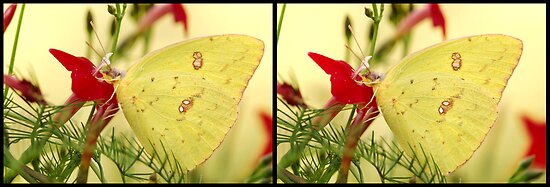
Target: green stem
17	31
87	153
288	177
280	22
353	133
377	18
375	34
25	172
118	22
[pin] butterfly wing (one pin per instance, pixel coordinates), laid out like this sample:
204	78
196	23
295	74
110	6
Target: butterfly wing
185	96
445	97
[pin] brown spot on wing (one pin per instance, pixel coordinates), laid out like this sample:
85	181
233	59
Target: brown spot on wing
456	64
198	61
185	105
445	106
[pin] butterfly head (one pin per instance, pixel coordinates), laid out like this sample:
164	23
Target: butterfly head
109	74
112	75
371	78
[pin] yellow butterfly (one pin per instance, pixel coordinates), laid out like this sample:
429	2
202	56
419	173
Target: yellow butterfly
184	97
445	97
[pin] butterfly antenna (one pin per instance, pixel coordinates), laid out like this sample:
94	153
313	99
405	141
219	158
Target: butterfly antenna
104	58
364	61
100	65
91	47
356	42
352	52
97	36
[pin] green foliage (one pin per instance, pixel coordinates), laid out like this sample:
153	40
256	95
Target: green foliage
315	156
54	153
524	174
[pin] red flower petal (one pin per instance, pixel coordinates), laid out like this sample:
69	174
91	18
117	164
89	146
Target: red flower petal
29	91
84	84
180	15
8	15
343	88
71	106
268	126
431	11
330	66
332	108
437	18
72	63
537	134
157	11
290	95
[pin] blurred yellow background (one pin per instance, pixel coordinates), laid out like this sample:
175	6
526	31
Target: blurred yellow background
320	28
62	26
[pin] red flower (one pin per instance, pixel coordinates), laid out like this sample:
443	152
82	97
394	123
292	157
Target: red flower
86	85
8	15
291	95
344	86
29	91
156	12
268	126
431	11
537	134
